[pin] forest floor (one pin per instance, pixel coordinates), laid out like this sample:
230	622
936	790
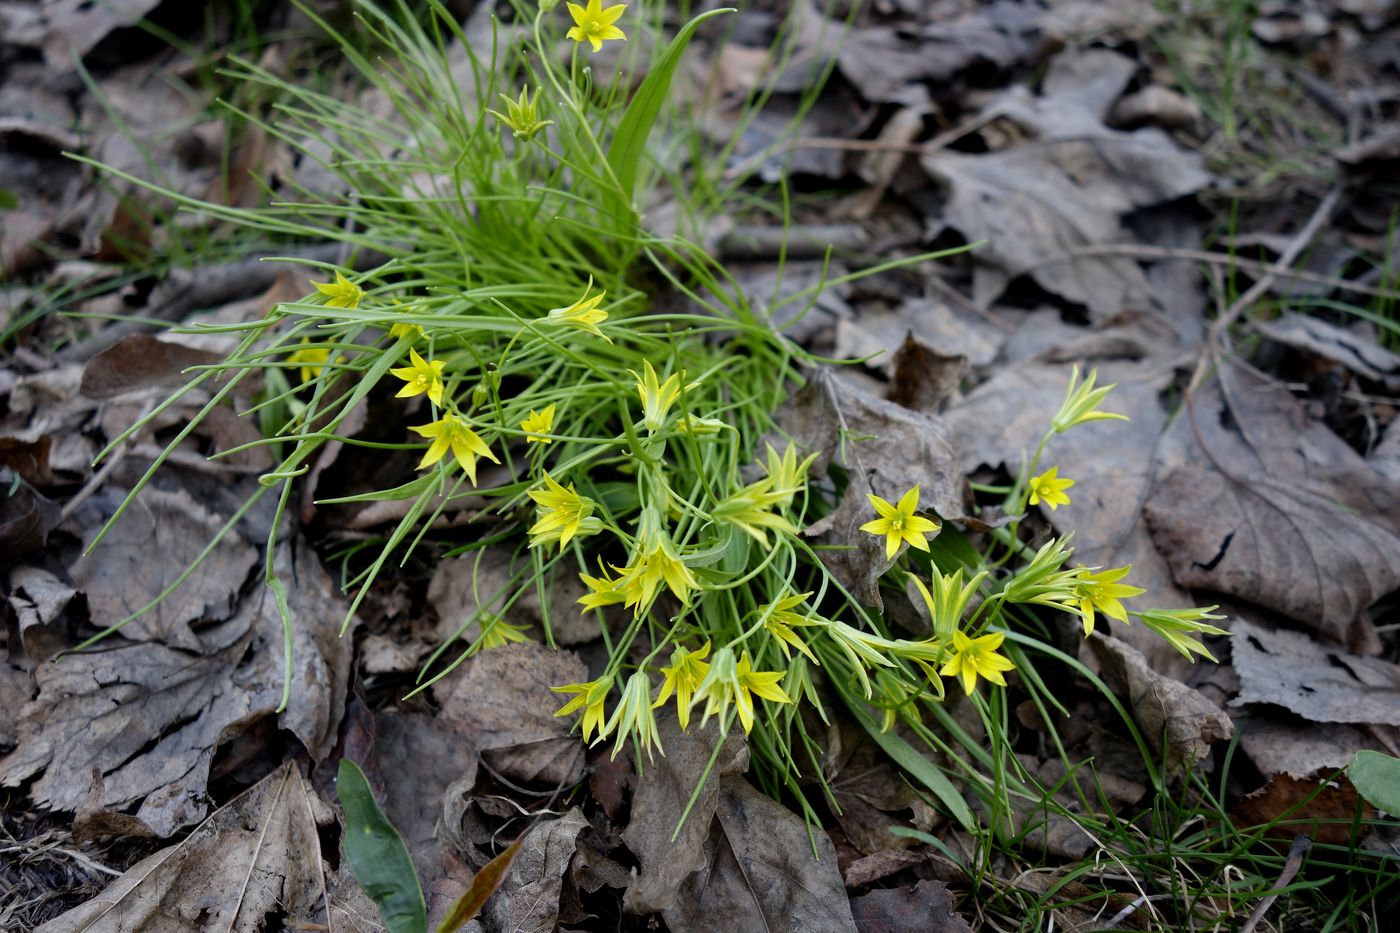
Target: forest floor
1199	199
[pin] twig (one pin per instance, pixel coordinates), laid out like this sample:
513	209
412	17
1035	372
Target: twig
1285	261
1219	259
1211	350
1300	847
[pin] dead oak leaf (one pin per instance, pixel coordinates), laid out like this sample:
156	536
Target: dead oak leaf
160	535
1318	682
927	906
667	855
1068	188
1265	503
505	708
256	858
149	717
760	873
885	450
528	899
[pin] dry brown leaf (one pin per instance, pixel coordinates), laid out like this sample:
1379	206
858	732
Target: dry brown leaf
1068	188
886	450
120	577
872	794
39	599
148	717
139	363
1359	353
75	27
26	518
1286	744
16	689
1320	805
1317	682
923	376
528	899
1265	503
1173	717
761	874
926	907
420	757
504	706
949	329
667	858
255	859
485	581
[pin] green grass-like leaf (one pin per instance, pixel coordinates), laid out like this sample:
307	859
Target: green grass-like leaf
630	140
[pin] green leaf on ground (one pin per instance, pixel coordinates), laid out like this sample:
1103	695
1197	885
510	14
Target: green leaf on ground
378	855
1376	777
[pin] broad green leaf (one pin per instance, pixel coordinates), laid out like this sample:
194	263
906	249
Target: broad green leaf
1376	777
630	140
922	770
378	856
484	884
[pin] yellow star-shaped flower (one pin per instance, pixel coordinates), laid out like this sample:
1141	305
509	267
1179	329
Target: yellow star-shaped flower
1101	591
590	698
1050	489
583	314
684	676
452	433
594	24
341	293
420	376
977	657
311	359
899	523
539	424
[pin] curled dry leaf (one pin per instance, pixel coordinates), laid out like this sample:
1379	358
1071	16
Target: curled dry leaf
39	599
527	900
149	716
1265	503
1171	715
504	706
760	873
927	907
256	858
1319	683
667	856
1360	353
885	450
26	518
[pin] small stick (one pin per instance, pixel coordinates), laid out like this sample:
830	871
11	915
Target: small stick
1300	847
1218	259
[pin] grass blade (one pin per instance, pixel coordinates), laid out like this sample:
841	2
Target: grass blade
630	140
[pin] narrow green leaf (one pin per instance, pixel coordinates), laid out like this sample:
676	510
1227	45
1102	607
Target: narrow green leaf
378	856
630	140
1376	777
483	886
922	770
